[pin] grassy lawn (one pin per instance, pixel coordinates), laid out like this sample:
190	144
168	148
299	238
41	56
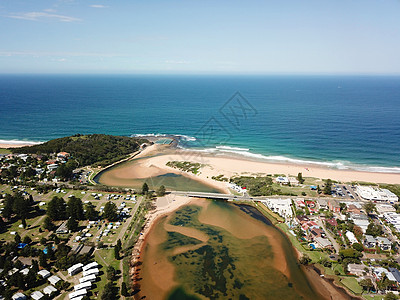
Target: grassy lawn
377	297
352	284
335	266
4	151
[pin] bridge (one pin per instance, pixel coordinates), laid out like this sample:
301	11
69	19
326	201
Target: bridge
228	197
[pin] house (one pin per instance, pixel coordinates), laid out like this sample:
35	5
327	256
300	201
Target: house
84	285
54	279
75	269
323	243
334	206
44	273
378	273
322	204
331	222
75	294
63	228
18	296
90	266
395	273
49	290
36	295
316	232
91	278
353	209
369	241
293	181
62	155
351	237
384	243
94	271
356	269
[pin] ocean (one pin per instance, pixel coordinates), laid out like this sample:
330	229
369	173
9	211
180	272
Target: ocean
344	122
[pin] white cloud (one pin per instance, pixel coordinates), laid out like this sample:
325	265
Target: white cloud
37	16
98	6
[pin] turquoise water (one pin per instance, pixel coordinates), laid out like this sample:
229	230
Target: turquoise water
337	121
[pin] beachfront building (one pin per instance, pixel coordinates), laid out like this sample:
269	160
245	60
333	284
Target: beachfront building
282	180
376	194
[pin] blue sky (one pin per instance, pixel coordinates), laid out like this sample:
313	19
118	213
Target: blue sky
200	36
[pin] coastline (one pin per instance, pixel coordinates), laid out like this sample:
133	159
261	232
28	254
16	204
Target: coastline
16	144
230	165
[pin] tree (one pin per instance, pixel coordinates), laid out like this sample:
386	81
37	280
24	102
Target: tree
328	187
116	252
391	296
56	209
111	273
305	259
108	292
374	229
17	238
27	240
110	212
72	224
300	178
343	206
161	191
358	247
48	224
75	208
369	207
91	213
124	290
366	284
145	188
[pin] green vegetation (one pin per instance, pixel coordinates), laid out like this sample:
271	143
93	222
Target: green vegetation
328	187
4	151
220	178
185	166
257	186
94	149
394	188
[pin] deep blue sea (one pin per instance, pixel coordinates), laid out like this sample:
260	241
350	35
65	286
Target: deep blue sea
338	121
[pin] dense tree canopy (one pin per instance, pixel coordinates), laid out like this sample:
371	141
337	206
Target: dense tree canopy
110	211
88	149
56	209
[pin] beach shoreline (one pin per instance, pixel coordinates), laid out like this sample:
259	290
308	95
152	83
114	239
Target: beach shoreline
232	165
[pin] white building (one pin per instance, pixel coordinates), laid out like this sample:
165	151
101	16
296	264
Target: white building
91	278
54	279
351	237
282	207
44	273
36	295
90	266
90	272
18	296
376	194
85	285
49	290
79	293
75	269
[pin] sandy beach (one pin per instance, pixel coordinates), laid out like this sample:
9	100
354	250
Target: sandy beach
229	166
15	144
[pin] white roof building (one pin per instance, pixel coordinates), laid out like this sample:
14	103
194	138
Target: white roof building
48	290
376	194
18	296
94	271
54	279
90	278
351	237
44	273
380	271
37	295
85	285
90	266
75	269
79	293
